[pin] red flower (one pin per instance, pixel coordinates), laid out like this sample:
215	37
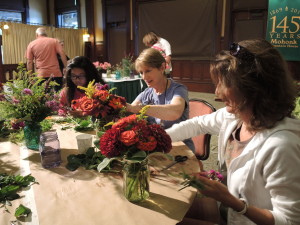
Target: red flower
164	143
110	146
148	145
128	138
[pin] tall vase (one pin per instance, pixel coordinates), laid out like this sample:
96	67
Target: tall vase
136	179
32	132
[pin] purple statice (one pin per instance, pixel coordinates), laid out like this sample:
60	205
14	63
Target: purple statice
99	86
27	91
53	105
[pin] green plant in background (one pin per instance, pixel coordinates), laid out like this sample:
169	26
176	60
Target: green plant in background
125	66
296	111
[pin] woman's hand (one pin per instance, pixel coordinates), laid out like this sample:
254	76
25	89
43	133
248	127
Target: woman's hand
214	189
133	108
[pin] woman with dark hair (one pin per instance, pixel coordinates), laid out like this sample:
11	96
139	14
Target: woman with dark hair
259	144
80	71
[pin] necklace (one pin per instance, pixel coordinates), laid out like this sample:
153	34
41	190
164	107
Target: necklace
166	90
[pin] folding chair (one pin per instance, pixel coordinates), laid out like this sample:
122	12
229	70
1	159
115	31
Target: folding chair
199	107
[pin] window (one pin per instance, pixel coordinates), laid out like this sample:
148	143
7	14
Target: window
67	13
10	16
67	19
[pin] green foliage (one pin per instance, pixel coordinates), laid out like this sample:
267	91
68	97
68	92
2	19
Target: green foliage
22	211
10	185
191	181
125	66
296	112
89	161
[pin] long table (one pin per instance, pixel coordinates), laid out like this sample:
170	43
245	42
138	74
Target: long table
88	197
128	88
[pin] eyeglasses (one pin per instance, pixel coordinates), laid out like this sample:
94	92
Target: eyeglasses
77	77
241	53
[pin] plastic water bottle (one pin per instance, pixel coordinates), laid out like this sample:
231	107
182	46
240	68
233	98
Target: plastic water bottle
49	148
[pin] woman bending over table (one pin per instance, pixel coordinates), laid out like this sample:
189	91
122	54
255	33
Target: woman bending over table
80	71
259	143
167	100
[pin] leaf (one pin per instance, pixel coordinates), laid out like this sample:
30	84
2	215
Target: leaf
22	211
104	164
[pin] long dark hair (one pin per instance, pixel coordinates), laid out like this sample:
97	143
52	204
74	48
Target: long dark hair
256	71
91	72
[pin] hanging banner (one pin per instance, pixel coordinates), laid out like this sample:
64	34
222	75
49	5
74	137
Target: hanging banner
283	29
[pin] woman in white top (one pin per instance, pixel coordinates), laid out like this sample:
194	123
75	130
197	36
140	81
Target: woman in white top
259	143
152	40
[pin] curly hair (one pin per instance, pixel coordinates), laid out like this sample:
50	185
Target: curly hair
91	72
263	81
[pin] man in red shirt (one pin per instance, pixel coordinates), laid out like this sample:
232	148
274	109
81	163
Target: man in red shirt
43	52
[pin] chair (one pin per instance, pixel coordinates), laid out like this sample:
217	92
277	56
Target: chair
199	107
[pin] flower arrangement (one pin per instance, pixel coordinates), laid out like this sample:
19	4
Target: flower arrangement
131	140
106	66
28	97
125	66
100	103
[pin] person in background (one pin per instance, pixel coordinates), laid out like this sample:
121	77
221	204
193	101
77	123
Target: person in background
167	100
152	40
61	64
259	143
43	53
80	71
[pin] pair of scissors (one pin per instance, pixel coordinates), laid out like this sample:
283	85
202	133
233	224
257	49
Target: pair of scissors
178	159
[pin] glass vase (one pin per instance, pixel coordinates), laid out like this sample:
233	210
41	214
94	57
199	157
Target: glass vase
136	179
32	132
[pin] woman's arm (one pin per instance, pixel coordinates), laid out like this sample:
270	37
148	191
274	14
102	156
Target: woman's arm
171	111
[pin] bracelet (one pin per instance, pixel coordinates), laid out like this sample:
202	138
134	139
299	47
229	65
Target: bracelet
244	210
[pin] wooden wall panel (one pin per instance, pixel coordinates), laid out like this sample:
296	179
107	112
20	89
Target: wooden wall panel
194	74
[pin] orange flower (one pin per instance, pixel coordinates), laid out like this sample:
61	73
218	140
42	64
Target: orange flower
102	95
128	137
88	105
116	103
149	145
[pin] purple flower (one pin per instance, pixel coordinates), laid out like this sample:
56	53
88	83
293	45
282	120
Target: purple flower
101	87
27	91
53	105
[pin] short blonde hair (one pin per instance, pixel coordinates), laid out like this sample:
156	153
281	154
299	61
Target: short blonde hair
150	57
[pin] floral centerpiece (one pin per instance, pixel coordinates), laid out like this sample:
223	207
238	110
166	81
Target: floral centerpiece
28	98
125	67
103	67
100	103
132	139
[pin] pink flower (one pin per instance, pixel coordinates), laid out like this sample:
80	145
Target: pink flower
27	91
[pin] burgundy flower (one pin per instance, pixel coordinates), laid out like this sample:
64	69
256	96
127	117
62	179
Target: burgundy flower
164	143
110	145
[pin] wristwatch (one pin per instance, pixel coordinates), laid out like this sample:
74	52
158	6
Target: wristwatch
244	210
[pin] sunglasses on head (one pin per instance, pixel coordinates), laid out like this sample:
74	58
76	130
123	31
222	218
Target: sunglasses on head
241	53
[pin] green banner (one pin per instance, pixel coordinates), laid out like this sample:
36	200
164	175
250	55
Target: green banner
283	29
